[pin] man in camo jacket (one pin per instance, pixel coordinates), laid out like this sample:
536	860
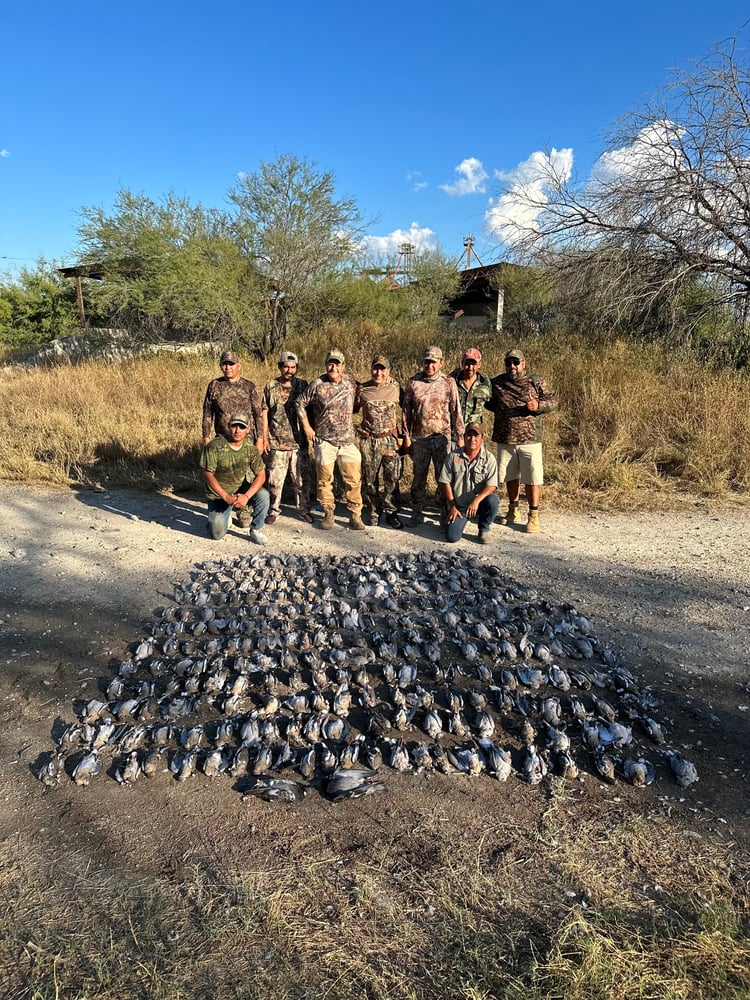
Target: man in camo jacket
285	446
378	401
325	412
432	417
231	394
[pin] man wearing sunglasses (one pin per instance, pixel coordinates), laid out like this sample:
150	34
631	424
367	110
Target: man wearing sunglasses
518	400
469	483
231	394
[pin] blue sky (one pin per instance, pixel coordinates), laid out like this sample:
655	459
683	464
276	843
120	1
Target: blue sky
393	99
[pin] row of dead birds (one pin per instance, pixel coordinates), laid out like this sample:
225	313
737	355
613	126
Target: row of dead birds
270	663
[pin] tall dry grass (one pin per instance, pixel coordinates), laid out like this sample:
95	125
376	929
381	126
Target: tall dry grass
636	427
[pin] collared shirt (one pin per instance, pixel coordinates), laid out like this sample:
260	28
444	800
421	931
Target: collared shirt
280	403
514	422
329	407
224	398
231	466
467	477
431	407
472	399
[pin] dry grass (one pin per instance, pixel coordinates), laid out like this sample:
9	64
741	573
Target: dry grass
635	428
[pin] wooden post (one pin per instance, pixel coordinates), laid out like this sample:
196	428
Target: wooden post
500	308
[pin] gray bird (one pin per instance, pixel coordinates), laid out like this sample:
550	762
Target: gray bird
51	772
499	762
685	772
639	772
129	769
276	790
605	766
87	768
534	766
353	783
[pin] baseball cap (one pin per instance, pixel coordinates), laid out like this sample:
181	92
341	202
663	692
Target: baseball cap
433	353
381	359
239	418
229	356
335	354
514	354
287	356
472	354
474	425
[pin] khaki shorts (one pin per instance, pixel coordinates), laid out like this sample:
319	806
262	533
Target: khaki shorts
520	461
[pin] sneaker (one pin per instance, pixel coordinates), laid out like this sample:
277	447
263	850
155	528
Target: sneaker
483	538
258	537
327	523
355	523
511	516
394	521
533	522
272	519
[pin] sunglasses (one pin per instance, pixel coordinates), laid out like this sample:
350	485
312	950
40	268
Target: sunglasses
470	361
378	368
512	361
228	364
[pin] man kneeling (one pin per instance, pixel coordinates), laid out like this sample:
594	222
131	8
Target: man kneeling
469	483
234	473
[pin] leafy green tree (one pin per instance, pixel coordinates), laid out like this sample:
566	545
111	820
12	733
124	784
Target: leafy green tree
36	307
172	270
288	221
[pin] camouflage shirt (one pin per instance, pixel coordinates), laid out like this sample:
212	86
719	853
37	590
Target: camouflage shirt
379	405
329	407
514	422
472	400
431	407
280	403
231	466
223	398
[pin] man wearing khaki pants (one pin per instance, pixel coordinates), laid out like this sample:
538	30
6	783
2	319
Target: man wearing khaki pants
325	411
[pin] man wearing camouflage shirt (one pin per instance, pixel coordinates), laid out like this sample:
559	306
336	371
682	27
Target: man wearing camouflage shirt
325	411
473	388
378	401
518	400
432	417
231	394
284	444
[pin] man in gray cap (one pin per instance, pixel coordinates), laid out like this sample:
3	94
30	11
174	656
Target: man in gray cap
325	411
469	482
518	400
432	417
284	445
234	474
231	394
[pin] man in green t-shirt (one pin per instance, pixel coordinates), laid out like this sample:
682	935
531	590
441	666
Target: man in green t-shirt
234	473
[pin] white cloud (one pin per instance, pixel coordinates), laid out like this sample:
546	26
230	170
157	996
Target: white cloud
4	152
472	176
421	237
516	212
414	178
652	151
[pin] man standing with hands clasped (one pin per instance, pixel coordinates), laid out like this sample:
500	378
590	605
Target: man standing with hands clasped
518	400
469	483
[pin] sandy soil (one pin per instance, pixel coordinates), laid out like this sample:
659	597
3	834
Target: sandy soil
81	574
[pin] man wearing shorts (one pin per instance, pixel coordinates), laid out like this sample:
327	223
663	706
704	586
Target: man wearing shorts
518	401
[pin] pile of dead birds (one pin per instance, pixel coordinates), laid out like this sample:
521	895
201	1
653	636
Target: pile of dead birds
289	673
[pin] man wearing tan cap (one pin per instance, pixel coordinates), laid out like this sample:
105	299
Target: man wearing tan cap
284	444
473	388
325	411
231	394
378	401
431	418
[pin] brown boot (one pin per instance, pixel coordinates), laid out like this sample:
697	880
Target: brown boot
327	523
533	522
511	516
355	523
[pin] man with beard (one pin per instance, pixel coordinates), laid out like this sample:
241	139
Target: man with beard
432	417
469	483
473	388
231	394
325	411
284	444
518	400
378	400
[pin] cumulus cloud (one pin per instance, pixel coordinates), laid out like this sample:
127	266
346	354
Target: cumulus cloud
516	212
472	176
4	152
651	152
421	237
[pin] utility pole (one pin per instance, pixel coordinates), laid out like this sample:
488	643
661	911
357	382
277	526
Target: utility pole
470	251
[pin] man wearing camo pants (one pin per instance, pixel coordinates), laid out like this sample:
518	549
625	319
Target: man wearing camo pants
284	445
378	401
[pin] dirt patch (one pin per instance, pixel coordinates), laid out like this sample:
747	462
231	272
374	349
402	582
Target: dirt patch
84	572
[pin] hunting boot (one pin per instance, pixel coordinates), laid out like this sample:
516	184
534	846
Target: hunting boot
355	522
417	516
511	516
327	523
533	522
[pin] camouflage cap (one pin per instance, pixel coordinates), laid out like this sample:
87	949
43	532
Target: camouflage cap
287	357
230	357
239	420
382	360
432	353
472	354
334	354
518	355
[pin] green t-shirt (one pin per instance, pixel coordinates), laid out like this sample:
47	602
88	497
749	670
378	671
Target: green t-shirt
231	467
